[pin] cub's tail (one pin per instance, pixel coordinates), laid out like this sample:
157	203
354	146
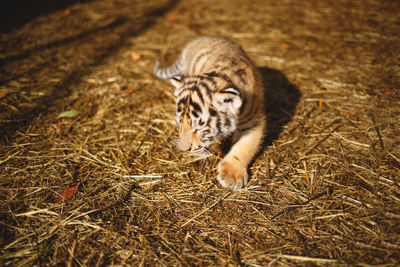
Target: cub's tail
175	70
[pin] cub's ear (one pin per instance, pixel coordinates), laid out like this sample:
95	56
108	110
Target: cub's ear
176	81
228	100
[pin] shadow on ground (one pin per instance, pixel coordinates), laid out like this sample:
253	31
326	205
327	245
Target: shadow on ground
281	98
123	26
18	12
99	30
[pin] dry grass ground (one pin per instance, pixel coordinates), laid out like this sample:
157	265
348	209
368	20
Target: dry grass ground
325	189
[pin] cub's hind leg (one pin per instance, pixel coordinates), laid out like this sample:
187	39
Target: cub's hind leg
232	170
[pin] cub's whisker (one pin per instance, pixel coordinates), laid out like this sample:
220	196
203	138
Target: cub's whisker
175	142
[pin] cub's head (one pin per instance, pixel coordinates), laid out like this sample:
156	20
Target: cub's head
207	107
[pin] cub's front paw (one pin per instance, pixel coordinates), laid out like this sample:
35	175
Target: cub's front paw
232	174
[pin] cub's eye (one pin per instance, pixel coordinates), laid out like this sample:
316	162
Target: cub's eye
201	130
197	131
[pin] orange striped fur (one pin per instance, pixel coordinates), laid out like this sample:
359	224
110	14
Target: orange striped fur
219	93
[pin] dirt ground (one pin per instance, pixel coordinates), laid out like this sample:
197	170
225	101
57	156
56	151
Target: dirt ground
89	173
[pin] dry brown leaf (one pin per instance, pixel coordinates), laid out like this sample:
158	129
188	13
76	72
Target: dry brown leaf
135	56
89	85
387	93
172	19
3	93
285	46
58	127
128	91
69	192
67	12
348	113
312	230
98	53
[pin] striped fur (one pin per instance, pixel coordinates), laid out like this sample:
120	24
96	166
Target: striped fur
219	93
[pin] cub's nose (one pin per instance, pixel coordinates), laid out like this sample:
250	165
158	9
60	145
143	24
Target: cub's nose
185	139
185	146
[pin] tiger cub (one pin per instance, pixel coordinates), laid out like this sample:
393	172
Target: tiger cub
219	93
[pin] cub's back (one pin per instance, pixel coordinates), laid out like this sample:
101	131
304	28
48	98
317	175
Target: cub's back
202	54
